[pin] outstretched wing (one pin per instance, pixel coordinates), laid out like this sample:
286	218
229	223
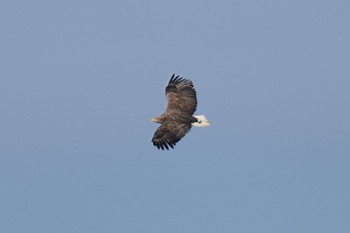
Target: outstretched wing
169	133
181	96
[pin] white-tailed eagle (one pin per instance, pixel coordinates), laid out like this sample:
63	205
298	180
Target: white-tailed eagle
178	118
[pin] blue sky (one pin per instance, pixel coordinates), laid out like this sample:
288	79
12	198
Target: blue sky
80	80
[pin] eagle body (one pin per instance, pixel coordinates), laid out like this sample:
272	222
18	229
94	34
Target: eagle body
178	118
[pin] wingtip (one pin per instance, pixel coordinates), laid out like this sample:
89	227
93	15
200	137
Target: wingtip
176	79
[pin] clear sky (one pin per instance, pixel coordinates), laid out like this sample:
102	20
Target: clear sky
80	80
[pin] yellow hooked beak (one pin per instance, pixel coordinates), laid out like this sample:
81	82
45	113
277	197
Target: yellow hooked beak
155	119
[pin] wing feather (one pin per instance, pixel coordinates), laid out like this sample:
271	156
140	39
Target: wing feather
181	95
169	133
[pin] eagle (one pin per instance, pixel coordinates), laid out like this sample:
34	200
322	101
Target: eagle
178	118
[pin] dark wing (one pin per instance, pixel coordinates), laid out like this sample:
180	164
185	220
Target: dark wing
181	95
169	133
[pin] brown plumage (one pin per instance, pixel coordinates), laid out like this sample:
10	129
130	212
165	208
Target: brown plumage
177	120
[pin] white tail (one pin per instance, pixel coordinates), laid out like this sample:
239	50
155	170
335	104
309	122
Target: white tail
202	121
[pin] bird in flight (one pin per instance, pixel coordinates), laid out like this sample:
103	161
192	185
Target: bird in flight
178	118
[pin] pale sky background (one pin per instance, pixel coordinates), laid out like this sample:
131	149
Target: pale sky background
80	80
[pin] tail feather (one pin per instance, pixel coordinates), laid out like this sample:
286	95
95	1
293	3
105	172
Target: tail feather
202	121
